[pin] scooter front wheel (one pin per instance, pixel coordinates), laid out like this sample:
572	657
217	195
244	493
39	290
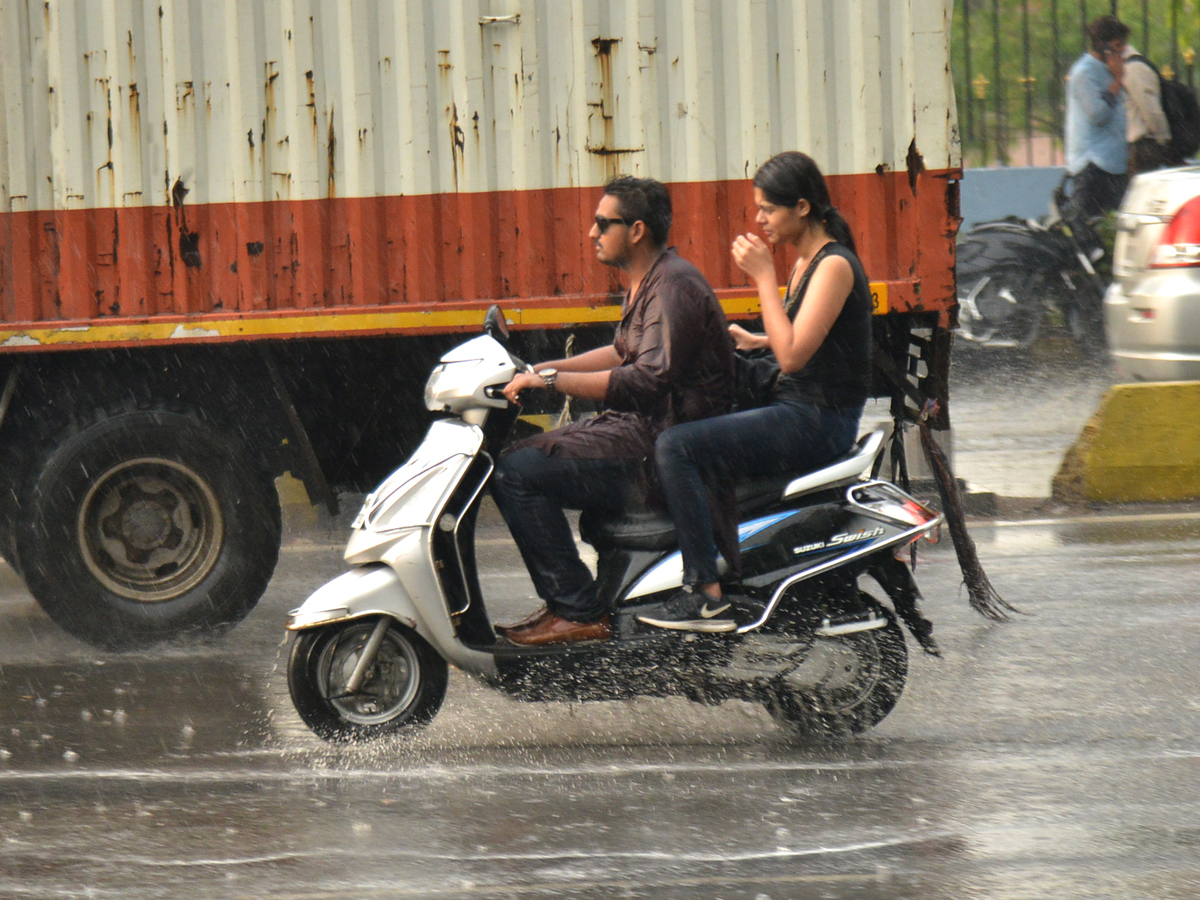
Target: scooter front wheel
402	690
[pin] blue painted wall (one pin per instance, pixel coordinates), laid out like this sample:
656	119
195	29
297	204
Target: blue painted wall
987	194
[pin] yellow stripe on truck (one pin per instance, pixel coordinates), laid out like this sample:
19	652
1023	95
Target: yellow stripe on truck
213	328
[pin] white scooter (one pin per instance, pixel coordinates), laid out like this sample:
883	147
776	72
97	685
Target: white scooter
370	649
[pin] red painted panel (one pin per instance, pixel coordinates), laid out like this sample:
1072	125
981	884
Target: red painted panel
112	265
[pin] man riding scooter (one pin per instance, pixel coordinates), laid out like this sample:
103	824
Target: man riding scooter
670	362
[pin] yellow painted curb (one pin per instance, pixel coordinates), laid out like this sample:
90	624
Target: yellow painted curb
1142	444
297	509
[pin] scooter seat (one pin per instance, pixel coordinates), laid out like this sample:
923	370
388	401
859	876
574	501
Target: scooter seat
636	528
643	527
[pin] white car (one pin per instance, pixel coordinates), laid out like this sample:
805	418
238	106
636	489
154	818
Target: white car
1152	307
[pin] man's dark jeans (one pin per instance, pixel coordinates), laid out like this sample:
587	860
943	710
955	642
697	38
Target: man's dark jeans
1093	193
532	490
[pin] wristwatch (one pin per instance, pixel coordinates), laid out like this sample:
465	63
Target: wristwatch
549	376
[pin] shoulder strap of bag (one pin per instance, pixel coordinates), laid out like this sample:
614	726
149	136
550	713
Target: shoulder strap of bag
1137	57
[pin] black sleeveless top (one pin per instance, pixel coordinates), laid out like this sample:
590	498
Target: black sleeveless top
839	373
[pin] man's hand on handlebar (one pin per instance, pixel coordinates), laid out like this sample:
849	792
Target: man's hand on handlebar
523	381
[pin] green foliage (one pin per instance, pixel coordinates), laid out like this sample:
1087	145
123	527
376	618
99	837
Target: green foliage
1106	231
1020	66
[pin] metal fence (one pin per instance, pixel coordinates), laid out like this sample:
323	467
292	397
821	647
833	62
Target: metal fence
1011	57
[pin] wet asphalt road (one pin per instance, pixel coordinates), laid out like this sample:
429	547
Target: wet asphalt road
1056	755
1014	415
1053	756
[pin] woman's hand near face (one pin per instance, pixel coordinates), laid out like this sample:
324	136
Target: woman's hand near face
752	255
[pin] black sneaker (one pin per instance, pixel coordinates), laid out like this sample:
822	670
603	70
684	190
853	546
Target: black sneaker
691	611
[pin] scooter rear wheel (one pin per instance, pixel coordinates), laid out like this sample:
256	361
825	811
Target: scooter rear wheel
402	691
864	675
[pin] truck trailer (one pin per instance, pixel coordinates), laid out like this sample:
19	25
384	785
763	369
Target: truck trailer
235	236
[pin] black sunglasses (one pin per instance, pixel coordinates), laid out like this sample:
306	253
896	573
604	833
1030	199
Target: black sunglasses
602	222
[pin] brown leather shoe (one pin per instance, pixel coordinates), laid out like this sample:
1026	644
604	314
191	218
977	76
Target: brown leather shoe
531	619
553	630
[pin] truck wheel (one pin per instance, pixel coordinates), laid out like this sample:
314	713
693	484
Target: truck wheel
145	526
9	516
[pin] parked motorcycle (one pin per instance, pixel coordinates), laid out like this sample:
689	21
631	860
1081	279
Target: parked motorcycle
1015	275
370	649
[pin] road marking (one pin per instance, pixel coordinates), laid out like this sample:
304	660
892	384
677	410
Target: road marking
444	773
575	885
1119	519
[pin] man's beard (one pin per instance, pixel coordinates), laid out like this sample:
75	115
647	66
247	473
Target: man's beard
617	262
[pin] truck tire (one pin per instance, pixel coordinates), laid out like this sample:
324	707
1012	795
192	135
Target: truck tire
14	475
9	514
148	525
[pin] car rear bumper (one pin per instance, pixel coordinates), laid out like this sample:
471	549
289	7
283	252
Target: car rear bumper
1152	322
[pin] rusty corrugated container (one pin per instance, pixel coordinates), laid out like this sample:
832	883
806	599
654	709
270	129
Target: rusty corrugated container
343	183
175	171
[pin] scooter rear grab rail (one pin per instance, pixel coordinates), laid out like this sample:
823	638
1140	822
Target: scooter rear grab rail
900	540
852	466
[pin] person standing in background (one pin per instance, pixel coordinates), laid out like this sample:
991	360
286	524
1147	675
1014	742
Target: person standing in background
1147	129
1097	150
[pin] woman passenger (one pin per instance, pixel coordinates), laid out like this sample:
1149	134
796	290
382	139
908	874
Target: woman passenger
820	334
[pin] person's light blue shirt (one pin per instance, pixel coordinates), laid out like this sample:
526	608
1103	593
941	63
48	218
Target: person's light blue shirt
1095	119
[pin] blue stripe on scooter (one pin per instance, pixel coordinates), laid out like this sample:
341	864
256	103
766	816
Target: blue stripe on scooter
749	529
673	562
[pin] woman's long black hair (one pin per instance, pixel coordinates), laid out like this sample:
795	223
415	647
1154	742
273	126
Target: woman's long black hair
788	178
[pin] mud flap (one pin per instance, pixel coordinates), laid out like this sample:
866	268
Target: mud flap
898	583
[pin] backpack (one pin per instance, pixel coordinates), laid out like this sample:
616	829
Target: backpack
1182	110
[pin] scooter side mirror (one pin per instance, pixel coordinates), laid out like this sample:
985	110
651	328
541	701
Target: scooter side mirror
495	325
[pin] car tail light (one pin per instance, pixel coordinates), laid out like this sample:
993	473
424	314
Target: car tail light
1180	242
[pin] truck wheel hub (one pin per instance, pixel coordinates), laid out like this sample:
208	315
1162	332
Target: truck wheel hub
150	529
144	522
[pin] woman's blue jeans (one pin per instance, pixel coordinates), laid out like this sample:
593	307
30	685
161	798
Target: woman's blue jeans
783	438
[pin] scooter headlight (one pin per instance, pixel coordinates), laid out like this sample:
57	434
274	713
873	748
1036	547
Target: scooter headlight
433	402
461	385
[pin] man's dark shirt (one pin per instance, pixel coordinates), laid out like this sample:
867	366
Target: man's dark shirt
676	366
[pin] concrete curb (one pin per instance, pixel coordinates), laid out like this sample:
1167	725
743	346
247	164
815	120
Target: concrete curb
1141	445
